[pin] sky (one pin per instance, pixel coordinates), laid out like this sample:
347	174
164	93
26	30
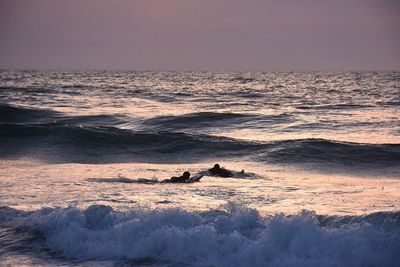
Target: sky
215	35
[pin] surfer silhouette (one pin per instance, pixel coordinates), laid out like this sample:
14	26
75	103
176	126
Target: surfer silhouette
180	179
221	172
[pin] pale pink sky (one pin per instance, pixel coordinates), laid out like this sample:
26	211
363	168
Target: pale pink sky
260	35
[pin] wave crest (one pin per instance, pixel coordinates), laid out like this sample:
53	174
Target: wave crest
232	236
78	143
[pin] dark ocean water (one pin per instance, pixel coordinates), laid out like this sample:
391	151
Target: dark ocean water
346	118
66	137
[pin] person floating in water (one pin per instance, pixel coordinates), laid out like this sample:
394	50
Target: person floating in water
221	172
181	179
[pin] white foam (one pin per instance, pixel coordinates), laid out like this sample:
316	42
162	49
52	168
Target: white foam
236	236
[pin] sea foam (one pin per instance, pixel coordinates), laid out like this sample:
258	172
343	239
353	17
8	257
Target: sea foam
232	236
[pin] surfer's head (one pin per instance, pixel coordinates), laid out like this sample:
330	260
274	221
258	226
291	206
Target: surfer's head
186	175
216	167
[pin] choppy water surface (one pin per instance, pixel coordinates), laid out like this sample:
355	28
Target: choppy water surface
76	146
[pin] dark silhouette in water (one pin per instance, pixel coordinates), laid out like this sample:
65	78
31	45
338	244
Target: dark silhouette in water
221	172
184	178
181	179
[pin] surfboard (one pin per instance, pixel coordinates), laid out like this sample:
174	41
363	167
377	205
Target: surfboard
195	179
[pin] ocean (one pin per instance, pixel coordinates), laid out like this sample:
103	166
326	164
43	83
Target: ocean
83	154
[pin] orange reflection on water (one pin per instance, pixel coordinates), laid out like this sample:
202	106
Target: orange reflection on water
272	188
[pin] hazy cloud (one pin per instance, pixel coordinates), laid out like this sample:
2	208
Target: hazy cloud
206	34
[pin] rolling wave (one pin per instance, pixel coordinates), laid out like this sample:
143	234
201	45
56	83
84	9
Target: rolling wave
185	122
204	120
22	115
201	120
79	143
330	151
14	114
233	235
105	144
58	137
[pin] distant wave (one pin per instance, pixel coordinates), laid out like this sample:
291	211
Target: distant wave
335	106
188	122
11	114
17	114
104	144
198	119
230	236
395	103
330	151
242	79
202	120
78	143
58	137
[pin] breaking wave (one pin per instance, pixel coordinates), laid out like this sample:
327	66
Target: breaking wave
231	236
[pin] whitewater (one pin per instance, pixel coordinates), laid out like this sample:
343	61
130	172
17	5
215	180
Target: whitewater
82	155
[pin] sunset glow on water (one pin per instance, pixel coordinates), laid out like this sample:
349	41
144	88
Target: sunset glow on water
208	133
83	155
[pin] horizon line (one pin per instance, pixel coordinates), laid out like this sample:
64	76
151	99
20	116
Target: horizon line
190	70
